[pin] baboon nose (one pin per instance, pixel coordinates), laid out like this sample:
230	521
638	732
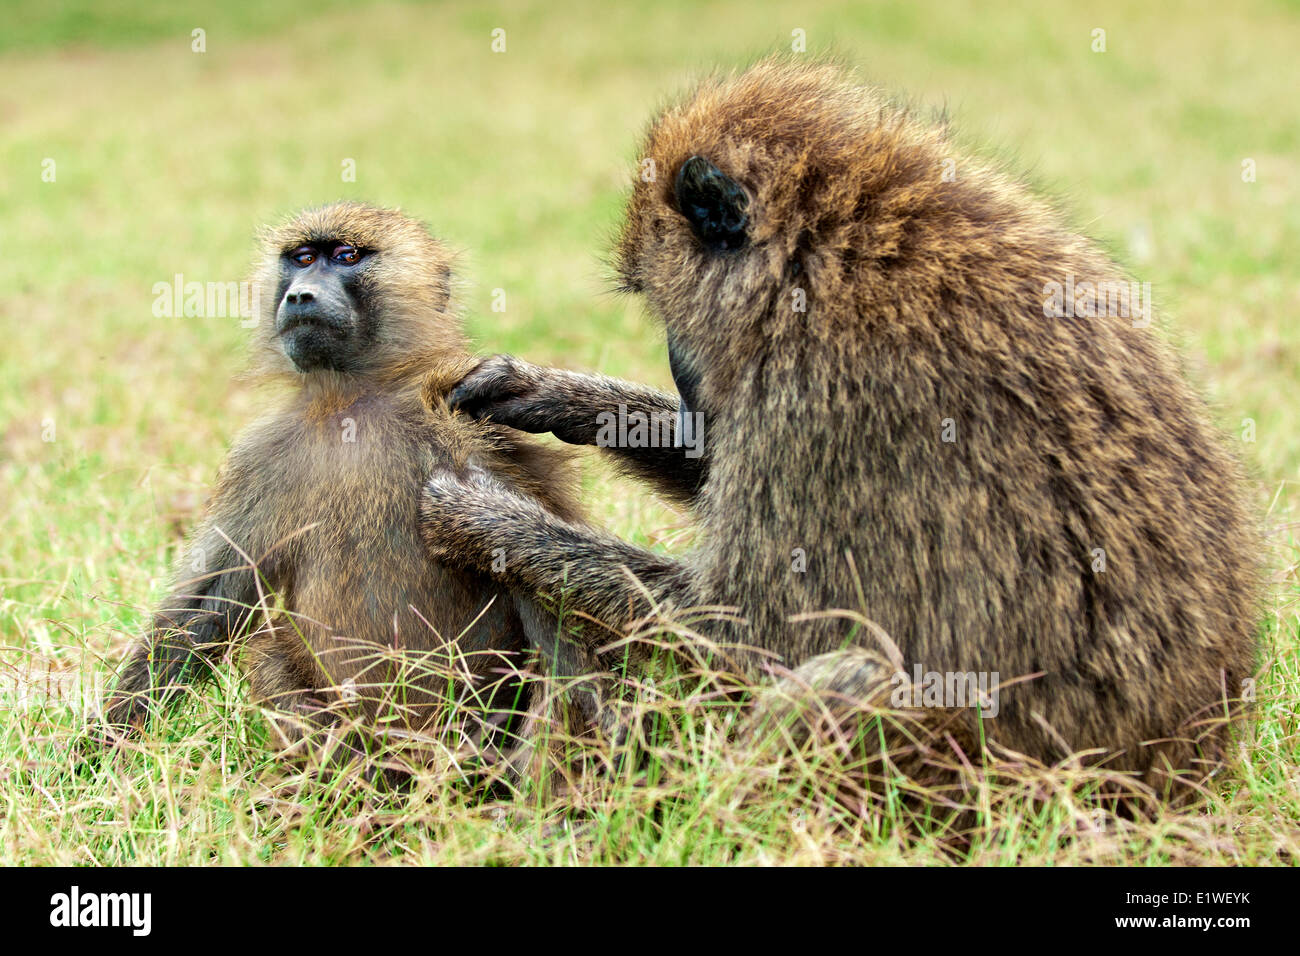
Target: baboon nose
300	298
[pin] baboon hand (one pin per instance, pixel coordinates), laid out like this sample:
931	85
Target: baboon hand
531	398
502	388
463	515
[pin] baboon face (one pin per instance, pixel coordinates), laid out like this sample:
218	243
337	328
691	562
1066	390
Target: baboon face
320	318
355	289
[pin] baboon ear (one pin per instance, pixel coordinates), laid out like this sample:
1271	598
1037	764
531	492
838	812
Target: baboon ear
713	203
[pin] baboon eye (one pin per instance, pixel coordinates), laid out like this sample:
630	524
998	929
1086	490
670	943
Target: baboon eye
713	203
303	255
348	255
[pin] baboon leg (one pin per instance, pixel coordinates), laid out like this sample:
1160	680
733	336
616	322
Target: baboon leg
852	708
525	753
572	661
195	622
305	723
546	747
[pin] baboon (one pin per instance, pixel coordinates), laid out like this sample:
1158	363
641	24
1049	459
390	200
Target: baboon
317	504
923	400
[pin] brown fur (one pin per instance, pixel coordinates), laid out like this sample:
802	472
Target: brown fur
320	494
925	302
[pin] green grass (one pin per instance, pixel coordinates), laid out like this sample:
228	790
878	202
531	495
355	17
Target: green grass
166	162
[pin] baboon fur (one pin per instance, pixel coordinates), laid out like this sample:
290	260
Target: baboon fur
1074	438
317	504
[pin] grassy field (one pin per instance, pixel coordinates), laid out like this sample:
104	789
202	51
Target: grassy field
164	161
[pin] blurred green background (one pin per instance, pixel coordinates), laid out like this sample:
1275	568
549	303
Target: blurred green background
112	421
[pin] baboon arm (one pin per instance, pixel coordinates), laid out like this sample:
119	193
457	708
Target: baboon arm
476	523
584	409
202	612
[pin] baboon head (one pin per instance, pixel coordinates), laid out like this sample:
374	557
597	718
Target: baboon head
354	289
785	204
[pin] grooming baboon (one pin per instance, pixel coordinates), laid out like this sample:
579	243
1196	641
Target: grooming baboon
317	502
894	425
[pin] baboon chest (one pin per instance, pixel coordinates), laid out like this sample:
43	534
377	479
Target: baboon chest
356	565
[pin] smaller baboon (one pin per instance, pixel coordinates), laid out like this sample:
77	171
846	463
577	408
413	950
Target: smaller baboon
310	549
925	401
